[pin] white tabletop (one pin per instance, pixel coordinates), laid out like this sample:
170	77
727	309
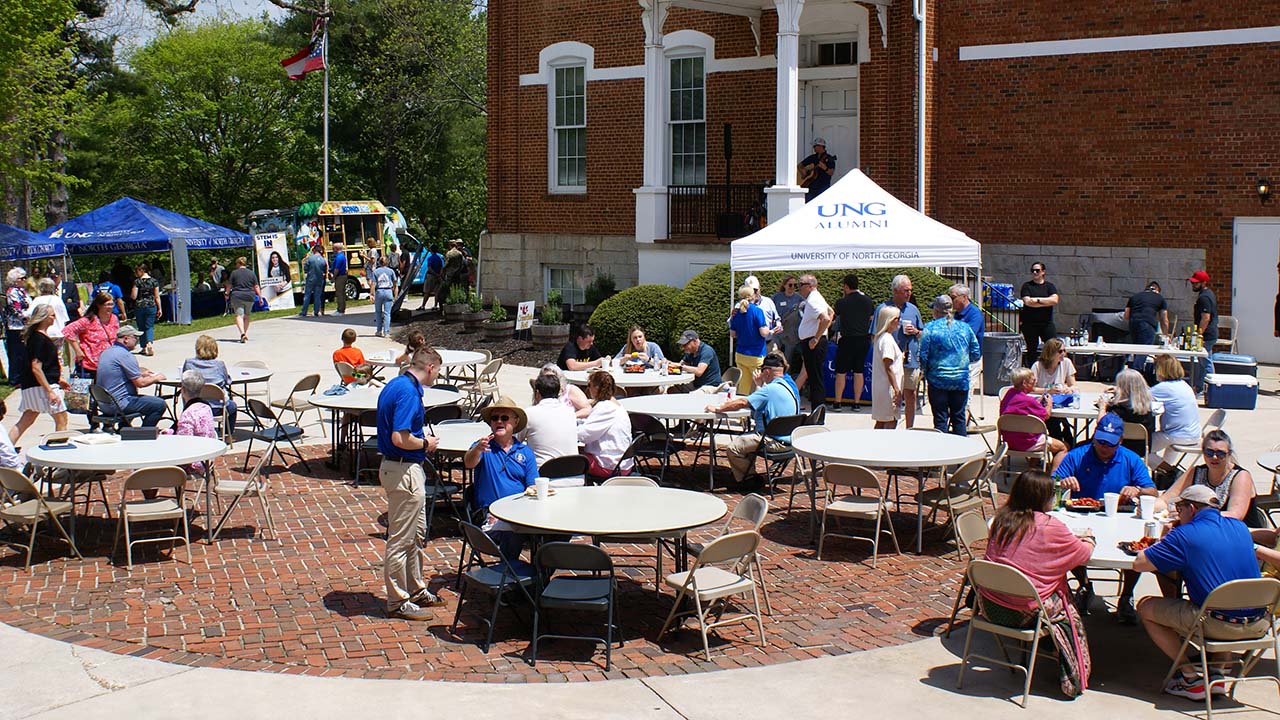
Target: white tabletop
1134	349
130	454
237	373
648	378
1088	408
890	448
1269	461
365	397
458	437
1107	531
612	510
448	358
680	406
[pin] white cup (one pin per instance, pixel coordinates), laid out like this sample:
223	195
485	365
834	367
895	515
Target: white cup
1147	506
1111	503
543	486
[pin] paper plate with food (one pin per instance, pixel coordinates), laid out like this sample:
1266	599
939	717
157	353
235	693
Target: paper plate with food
1084	505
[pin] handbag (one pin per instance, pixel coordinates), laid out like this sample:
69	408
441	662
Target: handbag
77	397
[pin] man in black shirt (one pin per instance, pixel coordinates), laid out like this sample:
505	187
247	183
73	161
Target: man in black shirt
1205	313
580	352
1147	313
853	323
820	166
1038	298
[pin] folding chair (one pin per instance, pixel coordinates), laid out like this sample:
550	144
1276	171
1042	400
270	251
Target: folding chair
1256	593
971	529
488	571
151	509
296	402
1022	424
716	577
362	444
1226	344
1215	422
110	416
565	466
777	454
961	492
484	386
997	578
23	505
253	487
213	394
436	489
806	471
752	510
856	505
591	587
658	445
273	435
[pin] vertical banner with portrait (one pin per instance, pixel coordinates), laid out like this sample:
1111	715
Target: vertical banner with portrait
275	277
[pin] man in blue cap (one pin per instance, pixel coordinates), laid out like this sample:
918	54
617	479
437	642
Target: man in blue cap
1101	467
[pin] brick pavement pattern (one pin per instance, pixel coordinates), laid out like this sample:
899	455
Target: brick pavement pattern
310	602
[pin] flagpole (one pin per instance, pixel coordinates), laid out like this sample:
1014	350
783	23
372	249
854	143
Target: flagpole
325	50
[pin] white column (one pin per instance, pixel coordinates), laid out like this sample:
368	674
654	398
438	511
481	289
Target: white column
651	197
785	196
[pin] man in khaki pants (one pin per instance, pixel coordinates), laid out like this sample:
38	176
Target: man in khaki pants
404	446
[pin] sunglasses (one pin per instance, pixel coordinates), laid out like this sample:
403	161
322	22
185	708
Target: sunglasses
1214	454
1037	270
500	418
806	283
790	285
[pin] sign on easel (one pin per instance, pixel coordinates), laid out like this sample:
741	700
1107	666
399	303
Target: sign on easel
524	315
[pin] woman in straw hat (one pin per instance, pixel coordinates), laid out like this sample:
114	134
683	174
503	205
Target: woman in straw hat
41	378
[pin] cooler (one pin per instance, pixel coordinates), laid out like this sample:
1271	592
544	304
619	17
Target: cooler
1233	364
1233	392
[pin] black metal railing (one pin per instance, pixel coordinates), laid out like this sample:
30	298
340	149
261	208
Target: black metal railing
726	211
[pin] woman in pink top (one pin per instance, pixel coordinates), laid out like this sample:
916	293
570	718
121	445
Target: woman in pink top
1044	549
1019	400
93	333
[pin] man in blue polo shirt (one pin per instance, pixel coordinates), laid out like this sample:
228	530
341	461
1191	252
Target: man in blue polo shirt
503	466
404	447
1103	466
700	361
773	398
1207	549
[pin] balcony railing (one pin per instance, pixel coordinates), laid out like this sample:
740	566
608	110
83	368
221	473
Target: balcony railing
726	211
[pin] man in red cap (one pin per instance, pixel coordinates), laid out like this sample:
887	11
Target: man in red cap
1206	309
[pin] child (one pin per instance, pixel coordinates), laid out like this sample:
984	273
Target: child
349	353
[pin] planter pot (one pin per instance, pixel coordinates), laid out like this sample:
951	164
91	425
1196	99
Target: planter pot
499	331
453	312
550	336
474	321
582	313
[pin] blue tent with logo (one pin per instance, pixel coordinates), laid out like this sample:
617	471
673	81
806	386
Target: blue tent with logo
131	226
18	245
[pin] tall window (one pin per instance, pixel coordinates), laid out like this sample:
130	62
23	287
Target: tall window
566	281
570	127
688	122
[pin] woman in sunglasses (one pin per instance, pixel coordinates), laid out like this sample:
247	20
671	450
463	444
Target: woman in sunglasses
1219	472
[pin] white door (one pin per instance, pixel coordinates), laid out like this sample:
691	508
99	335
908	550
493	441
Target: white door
834	117
1255	289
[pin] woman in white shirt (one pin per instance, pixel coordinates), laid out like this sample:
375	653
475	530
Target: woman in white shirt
1180	421
1056	375
886	371
605	434
47	287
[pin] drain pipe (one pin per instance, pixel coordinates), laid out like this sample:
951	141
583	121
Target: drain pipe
918	10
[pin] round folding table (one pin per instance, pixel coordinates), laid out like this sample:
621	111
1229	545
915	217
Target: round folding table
674	407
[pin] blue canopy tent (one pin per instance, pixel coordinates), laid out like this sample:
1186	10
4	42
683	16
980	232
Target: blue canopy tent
130	226
18	245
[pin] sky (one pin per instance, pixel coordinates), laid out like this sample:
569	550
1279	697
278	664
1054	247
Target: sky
135	25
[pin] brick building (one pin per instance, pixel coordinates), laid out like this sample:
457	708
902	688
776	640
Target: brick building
1118	141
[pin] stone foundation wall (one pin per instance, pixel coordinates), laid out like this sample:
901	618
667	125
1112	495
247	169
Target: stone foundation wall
1105	277
512	264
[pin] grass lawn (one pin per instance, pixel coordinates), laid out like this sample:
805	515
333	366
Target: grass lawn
164	330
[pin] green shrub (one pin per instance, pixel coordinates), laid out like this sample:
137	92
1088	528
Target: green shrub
600	289
705	302
498	313
457	295
652	307
552	313
475	303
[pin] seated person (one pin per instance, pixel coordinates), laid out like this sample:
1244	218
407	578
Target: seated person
640	350
214	372
119	375
1180	421
772	398
9	457
349	353
1131	401
502	466
605	434
1230	483
1207	549
571	396
550	430
1056	375
580	352
413	343
1103	467
1020	400
1024	536
700	362
197	415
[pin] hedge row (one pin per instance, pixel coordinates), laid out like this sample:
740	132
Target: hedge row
664	312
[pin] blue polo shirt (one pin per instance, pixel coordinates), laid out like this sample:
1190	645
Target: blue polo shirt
710	376
1208	551
1096	477
971	315
400	408
501	474
112	289
340	263
747	326
772	401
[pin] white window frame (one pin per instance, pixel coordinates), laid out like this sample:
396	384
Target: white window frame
685	53
553	57
575	295
553	138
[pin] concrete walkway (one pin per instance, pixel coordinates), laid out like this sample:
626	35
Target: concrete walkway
44	678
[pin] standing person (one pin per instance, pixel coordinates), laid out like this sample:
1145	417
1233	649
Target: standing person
1039	296
454	271
886	370
853	324
747	327
314	270
772	319
969	314
42	382
404	446
947	348
146	306
47	287
393	257
815	317
787	302
92	334
120	375
339	273
384	285
242	292
117	296
17	305
1147	313
1205	312
70	295
907	335
818	168
217	273
431	283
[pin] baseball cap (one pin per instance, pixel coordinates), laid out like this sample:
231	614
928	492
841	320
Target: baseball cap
687	337
820	141
128	331
1199	494
1199	276
942	303
1109	430
752	282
